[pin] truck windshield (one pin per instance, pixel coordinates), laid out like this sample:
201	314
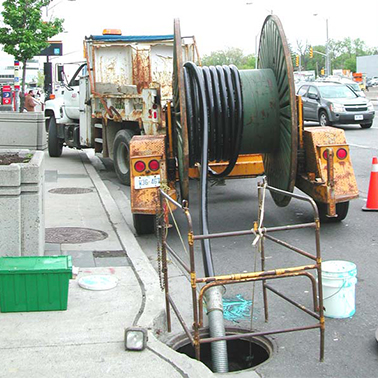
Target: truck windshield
336	91
81	71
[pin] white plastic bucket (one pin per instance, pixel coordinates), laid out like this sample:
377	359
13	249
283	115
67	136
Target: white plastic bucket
339	280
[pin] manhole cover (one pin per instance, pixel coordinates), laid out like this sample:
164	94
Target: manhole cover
73	235
70	190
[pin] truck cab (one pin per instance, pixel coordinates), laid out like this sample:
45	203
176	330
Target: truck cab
119	91
62	109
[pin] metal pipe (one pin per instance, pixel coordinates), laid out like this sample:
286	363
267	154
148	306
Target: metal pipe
192	279
287	245
255	334
177	257
250	232
165	276
294	303
214	305
181	320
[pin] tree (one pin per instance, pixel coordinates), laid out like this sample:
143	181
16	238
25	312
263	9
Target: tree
229	56
24	34
343	54
40	79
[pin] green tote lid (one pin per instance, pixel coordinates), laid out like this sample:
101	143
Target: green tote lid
35	264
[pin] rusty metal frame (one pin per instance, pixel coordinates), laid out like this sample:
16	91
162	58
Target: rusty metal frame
263	275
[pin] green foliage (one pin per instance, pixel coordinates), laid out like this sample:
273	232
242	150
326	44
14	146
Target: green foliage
229	56
25	34
40	79
343	54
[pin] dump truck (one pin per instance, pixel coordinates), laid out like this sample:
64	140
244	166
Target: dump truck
118	91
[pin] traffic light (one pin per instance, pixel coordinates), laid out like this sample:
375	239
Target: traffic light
322	72
297	60
311	52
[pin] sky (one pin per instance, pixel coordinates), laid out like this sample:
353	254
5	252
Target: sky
218	24
215	24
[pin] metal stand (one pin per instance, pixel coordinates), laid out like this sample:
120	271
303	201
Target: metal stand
264	275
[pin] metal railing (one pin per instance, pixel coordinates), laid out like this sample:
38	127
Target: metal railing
264	275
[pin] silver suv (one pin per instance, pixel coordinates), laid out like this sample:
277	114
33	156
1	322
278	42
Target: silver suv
335	104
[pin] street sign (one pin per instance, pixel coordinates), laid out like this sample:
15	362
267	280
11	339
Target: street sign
54	49
7	96
16	75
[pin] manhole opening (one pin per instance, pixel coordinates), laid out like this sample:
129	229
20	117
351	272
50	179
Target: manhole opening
245	353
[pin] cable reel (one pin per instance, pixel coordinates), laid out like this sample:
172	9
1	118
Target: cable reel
242	111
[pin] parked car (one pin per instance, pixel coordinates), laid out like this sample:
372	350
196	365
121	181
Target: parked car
372	82
335	104
349	83
356	87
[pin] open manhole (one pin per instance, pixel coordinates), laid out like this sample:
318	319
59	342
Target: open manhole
244	353
73	235
70	190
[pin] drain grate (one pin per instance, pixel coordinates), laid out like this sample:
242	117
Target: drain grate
106	254
73	235
70	190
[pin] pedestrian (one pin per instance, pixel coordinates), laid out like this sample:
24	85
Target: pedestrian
30	104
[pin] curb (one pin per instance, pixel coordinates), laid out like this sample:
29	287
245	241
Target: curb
153	303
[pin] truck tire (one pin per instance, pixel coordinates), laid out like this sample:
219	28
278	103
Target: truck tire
55	145
341	211
121	155
144	223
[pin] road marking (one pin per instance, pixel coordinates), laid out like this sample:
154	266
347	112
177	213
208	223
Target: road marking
365	147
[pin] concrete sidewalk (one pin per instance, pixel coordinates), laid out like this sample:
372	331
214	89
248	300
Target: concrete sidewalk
87	340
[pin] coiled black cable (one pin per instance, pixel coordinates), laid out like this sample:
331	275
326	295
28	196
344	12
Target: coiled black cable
214	100
215	125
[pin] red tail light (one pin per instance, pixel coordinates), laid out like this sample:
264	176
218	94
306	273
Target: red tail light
140	166
154	165
325	154
341	153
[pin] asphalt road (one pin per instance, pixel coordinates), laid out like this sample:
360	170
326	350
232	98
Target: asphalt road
351	348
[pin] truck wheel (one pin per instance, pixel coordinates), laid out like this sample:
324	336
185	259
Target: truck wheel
323	119
366	125
55	145
144	223
121	155
341	211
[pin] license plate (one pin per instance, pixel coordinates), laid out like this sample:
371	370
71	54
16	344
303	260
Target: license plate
143	182
358	117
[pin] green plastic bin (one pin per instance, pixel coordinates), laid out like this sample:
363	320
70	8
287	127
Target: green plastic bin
34	283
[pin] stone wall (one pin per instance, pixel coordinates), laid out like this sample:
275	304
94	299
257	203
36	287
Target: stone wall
22	215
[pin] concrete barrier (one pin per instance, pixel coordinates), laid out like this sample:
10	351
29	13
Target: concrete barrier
22	215
23	130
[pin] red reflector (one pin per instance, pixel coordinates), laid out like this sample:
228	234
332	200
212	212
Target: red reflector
325	154
140	166
155	115
153	165
341	153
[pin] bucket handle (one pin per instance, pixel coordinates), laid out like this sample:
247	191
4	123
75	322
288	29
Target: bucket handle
338	291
